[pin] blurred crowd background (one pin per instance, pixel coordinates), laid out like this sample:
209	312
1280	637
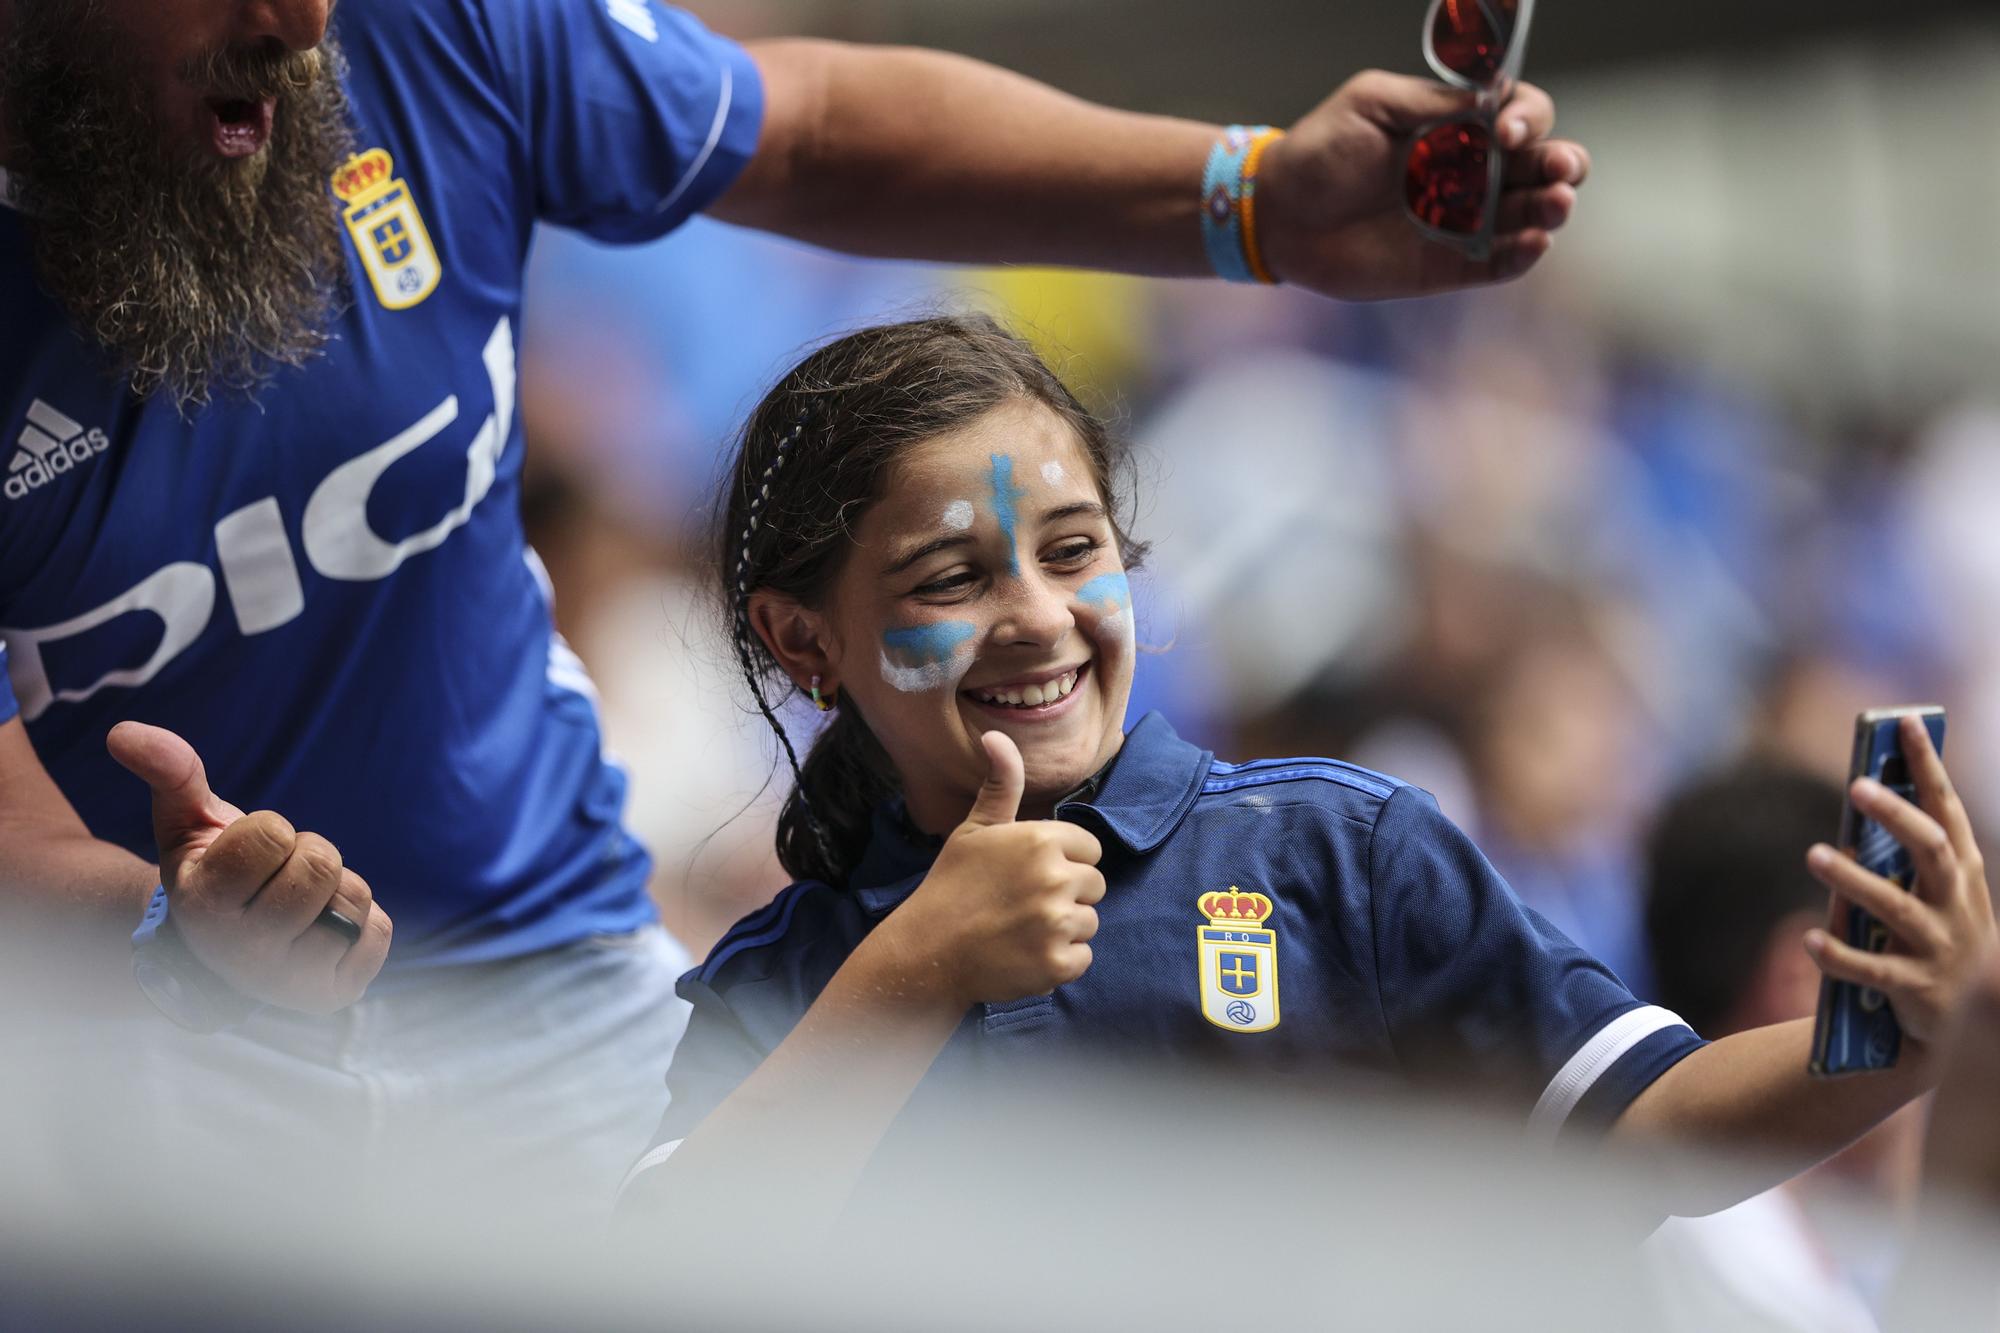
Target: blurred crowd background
1712	480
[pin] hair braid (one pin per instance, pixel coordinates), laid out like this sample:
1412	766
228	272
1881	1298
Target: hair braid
746	653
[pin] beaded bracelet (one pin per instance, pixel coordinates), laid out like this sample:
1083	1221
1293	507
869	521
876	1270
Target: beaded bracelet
1229	203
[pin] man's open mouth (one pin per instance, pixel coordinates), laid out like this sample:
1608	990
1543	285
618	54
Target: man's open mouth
239	126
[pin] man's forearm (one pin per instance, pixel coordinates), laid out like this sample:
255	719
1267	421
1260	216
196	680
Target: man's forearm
923	155
69	903
1750	1091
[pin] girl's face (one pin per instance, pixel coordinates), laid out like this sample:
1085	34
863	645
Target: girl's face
986	593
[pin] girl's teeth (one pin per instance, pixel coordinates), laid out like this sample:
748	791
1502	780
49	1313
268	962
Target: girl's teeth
1033	696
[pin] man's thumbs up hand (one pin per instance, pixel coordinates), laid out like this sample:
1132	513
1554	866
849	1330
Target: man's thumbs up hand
246	892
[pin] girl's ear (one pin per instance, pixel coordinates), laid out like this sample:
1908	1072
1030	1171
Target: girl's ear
794	633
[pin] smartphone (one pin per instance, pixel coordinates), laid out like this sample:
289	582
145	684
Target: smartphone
1857	1030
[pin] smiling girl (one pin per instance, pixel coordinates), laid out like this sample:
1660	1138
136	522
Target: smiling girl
922	533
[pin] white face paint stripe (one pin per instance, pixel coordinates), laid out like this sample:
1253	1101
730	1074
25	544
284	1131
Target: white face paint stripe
916	680
957	515
1053	474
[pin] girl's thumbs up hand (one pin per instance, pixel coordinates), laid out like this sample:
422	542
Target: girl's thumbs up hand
1008	909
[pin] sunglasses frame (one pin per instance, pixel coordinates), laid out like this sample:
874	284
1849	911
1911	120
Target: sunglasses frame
1491	97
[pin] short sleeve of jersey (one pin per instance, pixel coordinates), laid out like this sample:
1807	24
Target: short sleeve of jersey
637	117
9	707
755	986
714	1057
1478	988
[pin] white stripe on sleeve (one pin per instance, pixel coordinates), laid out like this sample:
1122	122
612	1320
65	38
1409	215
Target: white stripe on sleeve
707	149
1590	1063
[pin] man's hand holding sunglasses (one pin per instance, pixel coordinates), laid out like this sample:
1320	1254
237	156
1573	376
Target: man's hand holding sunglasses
1332	207
1399	187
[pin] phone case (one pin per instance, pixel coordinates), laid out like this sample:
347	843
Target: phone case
1857	1030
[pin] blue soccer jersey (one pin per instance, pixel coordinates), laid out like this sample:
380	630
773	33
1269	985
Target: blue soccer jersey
1286	916
327	591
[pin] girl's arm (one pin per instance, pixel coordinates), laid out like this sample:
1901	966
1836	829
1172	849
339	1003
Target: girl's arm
1753	1089
1005	913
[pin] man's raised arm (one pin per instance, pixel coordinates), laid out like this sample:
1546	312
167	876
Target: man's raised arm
917	154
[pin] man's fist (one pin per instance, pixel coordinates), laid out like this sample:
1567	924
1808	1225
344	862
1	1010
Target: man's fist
1330	194
1008	910
246	891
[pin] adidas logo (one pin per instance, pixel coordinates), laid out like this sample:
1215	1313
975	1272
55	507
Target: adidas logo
636	15
51	444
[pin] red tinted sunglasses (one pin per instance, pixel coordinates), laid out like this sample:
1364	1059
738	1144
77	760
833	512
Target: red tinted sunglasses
1452	178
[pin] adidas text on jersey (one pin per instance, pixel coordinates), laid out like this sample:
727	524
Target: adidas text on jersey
50	445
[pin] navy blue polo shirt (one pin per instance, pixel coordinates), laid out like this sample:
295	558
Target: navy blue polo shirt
1290	917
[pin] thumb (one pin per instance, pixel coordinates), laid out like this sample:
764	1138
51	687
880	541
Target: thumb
186	814
999	799
1400	103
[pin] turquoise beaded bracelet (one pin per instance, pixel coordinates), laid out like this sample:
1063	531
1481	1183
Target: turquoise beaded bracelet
1229	203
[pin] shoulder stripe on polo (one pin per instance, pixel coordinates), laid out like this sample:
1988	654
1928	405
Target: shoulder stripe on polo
1302	771
758	919
749	936
1299	761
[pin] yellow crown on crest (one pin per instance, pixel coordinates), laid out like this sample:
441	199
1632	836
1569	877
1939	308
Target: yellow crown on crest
1233	907
363	175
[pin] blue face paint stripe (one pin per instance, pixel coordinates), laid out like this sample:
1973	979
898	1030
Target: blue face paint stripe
1111	589
928	645
1006	499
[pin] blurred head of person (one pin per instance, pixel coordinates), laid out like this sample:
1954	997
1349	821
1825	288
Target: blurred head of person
1728	903
1729	898
172	159
1553	740
922	523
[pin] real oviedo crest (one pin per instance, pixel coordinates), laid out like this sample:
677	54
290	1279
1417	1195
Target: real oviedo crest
1238	956
388	231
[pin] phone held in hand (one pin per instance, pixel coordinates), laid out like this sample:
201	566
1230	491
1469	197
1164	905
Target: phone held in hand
1857	1030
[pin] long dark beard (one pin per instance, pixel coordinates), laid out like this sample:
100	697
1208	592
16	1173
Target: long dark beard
200	275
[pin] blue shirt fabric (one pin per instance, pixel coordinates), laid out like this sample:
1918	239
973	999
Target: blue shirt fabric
327	591
1397	948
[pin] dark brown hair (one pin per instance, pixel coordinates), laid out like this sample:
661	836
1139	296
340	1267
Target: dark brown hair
811	460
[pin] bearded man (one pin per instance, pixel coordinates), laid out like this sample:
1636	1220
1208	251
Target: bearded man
259	287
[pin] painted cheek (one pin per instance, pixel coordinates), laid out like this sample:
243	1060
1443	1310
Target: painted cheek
927	657
1109	597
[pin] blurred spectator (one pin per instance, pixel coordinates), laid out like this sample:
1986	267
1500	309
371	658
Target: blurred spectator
1558	760
1728	903
630	603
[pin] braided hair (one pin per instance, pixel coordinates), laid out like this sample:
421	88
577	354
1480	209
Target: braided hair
810	461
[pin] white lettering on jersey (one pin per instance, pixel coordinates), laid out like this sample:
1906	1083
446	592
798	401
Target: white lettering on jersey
181	595
339	541
257	567
259	570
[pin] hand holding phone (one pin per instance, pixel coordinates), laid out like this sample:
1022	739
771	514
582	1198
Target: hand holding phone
1912	918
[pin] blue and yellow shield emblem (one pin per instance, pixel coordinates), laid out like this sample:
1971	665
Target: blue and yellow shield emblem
387	229
1237	953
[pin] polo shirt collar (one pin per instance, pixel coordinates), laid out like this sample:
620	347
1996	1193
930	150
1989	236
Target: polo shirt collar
1138	800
